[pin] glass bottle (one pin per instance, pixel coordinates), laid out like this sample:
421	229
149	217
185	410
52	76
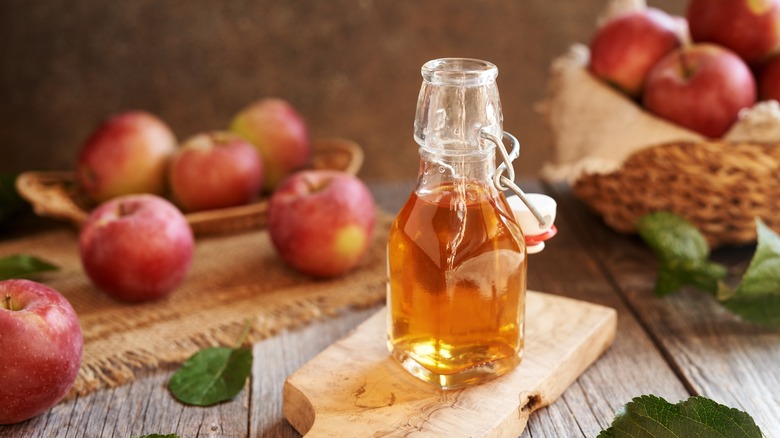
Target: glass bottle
456	255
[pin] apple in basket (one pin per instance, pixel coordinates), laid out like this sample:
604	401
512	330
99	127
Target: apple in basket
136	247
700	86
215	170
127	153
750	28
624	49
321	221
279	133
41	349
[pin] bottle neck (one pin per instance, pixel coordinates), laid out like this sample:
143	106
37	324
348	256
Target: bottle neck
438	168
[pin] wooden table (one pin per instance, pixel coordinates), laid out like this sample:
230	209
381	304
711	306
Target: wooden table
672	347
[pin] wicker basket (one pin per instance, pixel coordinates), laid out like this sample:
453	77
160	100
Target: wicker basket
56	195
719	187
623	162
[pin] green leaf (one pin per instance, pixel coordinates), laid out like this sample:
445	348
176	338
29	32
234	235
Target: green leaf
212	375
651	416
671	237
757	298
702	274
22	266
10	201
682	253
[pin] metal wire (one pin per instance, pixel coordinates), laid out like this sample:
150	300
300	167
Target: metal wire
507	182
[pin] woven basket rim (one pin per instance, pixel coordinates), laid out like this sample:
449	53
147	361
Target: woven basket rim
720	187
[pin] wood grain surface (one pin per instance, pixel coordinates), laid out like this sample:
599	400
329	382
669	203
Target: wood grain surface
672	347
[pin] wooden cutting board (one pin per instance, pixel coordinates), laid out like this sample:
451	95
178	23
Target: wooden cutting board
354	388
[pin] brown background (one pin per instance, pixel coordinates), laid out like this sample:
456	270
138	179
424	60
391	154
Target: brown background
351	67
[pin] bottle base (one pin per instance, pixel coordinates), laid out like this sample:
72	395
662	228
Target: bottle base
468	377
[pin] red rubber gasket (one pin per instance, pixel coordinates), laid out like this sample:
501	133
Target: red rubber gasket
539	238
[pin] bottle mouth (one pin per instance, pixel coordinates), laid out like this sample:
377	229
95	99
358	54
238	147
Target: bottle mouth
462	72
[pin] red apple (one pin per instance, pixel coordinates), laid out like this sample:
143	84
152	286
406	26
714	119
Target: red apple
751	28
40	349
624	49
279	133
128	153
136	247
702	87
321	221
769	80
215	170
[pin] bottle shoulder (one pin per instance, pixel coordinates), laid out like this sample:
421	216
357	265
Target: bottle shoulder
459	216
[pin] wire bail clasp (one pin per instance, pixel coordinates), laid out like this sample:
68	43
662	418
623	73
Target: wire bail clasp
507	182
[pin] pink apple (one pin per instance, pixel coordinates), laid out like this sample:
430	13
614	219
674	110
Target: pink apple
750	28
702	87
279	133
321	221
215	170
626	47
40	349
769	80
136	247
127	153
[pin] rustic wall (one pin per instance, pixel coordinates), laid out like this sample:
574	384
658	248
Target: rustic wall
350	66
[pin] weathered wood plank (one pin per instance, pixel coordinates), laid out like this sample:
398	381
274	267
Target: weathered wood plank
142	407
279	356
145	406
718	356
632	366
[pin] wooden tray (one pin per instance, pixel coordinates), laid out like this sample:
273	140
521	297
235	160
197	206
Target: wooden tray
56	194
353	388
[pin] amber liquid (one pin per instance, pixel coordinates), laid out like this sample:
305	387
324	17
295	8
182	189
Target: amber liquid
456	297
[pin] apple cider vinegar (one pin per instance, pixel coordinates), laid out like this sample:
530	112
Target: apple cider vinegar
456	257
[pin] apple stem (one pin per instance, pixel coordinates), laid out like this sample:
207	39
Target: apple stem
7	302
312	186
686	67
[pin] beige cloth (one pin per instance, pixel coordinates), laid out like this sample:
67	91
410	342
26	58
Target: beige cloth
234	279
